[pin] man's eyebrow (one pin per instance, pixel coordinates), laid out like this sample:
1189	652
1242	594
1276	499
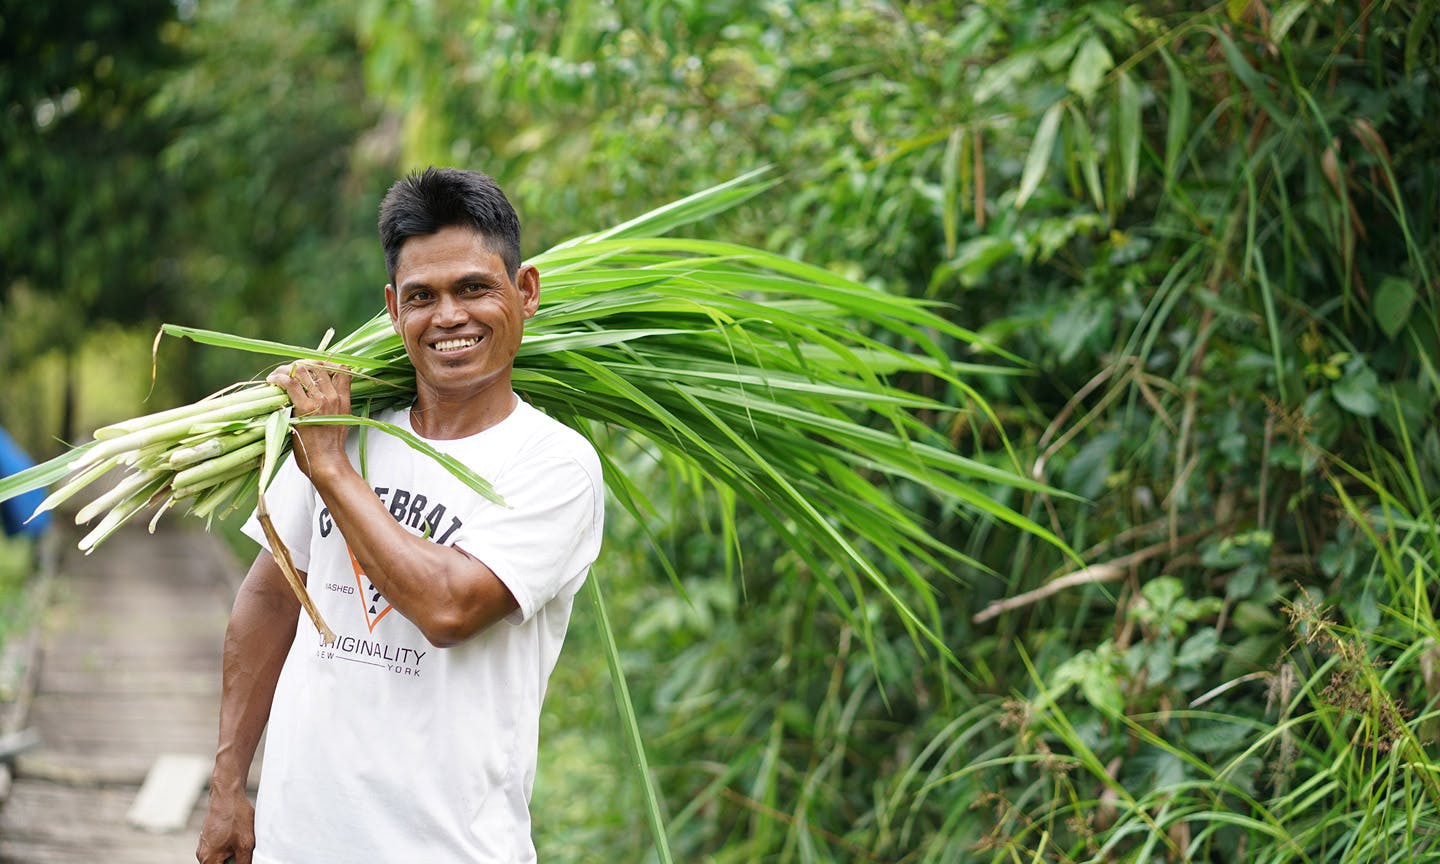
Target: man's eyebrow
474	276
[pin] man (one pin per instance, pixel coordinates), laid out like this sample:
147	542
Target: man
413	736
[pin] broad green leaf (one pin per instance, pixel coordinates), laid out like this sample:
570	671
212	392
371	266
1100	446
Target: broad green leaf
1002	76
976	257
1199	649
1101	686
1236	8
1358	391
1041	148
1393	302
1088	69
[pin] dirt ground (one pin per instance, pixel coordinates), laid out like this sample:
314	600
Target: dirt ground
129	669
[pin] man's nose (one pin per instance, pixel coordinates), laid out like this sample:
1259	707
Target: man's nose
450	311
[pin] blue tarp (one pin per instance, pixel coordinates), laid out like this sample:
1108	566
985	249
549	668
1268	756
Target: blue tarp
15	511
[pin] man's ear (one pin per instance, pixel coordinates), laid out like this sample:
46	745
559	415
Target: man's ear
392	305
527	280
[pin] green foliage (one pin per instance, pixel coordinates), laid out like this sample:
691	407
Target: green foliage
280	158
17	562
80	205
1212	232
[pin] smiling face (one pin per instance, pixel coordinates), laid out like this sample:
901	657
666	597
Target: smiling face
461	317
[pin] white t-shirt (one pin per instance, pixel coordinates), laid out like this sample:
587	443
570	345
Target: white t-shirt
381	747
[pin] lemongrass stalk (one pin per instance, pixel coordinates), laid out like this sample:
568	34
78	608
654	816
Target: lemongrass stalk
201	432
75	484
218	495
121	513
195	489
120	492
206	473
152	456
176	429
211	448
207	448
220	500
136	424
161	511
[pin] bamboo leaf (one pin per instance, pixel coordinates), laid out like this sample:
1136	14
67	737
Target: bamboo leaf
950	171
1092	62
1127	97
1089	160
1285	18
1038	159
1177	132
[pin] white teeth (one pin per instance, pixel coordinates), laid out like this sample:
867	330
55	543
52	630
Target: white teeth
454	344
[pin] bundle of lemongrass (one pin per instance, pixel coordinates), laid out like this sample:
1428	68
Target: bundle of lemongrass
767	378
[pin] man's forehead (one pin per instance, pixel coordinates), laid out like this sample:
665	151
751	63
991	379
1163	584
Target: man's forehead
450	246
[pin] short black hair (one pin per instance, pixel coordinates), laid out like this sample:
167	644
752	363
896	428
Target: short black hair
436	198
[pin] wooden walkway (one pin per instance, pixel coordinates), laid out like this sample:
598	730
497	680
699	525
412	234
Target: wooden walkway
129	669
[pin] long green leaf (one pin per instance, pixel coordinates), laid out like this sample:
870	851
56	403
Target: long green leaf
1038	160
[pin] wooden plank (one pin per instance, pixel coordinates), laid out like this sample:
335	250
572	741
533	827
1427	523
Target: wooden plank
72	825
168	796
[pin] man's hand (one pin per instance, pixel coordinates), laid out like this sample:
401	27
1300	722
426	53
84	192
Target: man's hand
316	389
229	830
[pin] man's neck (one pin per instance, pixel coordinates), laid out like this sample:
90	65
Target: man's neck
439	418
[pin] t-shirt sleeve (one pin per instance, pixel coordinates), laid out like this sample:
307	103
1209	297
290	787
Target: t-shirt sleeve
544	543
291	500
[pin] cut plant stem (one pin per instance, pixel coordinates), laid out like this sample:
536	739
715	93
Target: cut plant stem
179	428
121	513
212	448
281	554
75	484
207	483
194	409
121	491
205	473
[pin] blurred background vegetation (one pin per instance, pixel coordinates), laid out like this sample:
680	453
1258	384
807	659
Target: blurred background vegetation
1213	232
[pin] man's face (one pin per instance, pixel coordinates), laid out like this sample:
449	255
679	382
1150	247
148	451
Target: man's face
460	314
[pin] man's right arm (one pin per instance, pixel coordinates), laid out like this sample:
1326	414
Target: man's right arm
262	626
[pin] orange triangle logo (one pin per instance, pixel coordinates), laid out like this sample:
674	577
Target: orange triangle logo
370	599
